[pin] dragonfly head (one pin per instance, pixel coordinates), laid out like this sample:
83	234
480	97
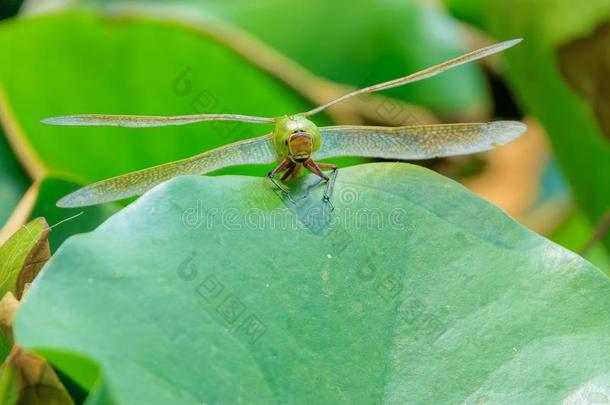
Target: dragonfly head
296	137
300	146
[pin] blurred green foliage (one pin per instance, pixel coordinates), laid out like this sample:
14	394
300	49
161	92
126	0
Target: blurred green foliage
88	64
560	75
574	234
358	42
364	42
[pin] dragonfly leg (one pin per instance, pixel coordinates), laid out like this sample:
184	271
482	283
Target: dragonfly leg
330	184
289	171
284	165
316	168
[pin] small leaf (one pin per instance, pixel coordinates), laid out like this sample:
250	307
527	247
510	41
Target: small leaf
26	378
585	64
22	257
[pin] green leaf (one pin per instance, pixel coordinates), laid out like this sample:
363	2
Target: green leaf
28	379
471	11
387	44
560	74
84	63
413	290
22	256
361	42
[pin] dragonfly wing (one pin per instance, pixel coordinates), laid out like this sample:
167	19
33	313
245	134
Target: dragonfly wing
423	74
144	121
259	150
416	142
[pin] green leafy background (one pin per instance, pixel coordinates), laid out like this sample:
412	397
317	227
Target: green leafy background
129	67
357	42
540	82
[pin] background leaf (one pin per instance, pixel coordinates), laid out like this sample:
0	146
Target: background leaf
412	290
28	379
22	257
128	66
574	234
553	72
24	377
392	39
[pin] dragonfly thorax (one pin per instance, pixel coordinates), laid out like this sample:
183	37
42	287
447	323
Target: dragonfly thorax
296	137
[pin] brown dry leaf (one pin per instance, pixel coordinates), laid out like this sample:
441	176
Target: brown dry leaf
26	378
38	256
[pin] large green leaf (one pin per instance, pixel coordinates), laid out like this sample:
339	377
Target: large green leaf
359	42
215	290
560	73
65	64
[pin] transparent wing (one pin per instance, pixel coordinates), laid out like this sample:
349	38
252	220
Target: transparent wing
423	74
251	151
416	142
143	121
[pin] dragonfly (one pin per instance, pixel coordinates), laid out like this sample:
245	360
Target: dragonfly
296	140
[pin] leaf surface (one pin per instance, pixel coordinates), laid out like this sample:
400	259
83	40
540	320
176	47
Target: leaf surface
213	289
